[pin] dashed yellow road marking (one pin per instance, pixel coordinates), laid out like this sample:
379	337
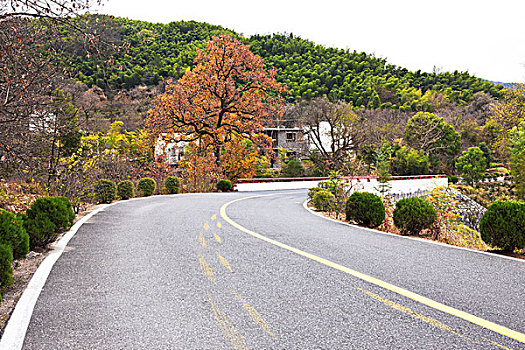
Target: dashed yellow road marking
202	240
431	321
401	291
206	226
217	238
496	344
206	269
254	314
427	319
219	225
228	329
213	217
224	262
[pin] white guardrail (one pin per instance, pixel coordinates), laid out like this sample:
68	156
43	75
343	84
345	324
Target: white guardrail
400	184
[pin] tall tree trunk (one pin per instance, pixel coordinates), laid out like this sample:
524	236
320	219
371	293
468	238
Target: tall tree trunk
218	156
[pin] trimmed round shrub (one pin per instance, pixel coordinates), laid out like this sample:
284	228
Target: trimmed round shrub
453	179
172	184
323	200
41	230
224	185
412	215
125	189
12	232
312	191
46	218
503	225
365	208
57	209
69	208
6	266
146	186
105	191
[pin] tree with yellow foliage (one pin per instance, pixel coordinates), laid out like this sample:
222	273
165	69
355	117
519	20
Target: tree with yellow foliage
508	113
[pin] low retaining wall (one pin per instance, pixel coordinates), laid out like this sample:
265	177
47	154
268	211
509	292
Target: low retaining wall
400	184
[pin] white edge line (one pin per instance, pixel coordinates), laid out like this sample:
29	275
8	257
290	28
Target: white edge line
305	205
16	328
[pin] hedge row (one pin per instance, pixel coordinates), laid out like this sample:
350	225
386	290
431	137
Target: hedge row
502	225
411	216
106	191
42	222
14	243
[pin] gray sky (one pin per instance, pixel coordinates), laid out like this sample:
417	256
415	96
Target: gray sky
484	37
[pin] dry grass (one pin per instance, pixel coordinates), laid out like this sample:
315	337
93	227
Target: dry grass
17	197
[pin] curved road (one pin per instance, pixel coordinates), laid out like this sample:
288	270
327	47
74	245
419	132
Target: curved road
171	272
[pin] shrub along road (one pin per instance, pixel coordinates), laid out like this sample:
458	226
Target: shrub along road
171	272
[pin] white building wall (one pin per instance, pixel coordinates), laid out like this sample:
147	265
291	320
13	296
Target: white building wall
362	184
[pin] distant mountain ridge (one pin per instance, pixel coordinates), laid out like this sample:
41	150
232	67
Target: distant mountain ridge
506	85
156	52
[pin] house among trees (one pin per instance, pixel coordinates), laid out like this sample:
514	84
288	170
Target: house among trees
291	139
173	151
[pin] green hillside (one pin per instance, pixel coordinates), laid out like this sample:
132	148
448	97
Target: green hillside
155	52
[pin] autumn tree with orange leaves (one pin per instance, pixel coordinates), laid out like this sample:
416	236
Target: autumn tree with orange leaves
226	98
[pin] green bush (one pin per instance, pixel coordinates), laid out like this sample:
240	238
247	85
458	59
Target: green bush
503	225
365	209
412	215
41	230
224	185
453	179
324	201
57	209
472	165
125	189
172	184
69	209
6	266
46	218
312	191
293	168
408	161
12	232
146	186
105	191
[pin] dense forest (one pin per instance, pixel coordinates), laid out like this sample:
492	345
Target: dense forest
150	53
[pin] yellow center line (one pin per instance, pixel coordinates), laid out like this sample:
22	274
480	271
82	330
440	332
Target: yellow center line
206	269
202	240
219	225
213	217
217	238
431	321
228	329
206	226
254	314
224	262
498	345
401	291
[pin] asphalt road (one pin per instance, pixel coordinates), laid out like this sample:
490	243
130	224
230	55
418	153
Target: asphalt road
170	272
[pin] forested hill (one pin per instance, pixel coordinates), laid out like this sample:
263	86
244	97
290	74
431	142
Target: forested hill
159	51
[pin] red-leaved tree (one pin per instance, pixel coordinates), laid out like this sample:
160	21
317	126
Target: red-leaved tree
227	96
